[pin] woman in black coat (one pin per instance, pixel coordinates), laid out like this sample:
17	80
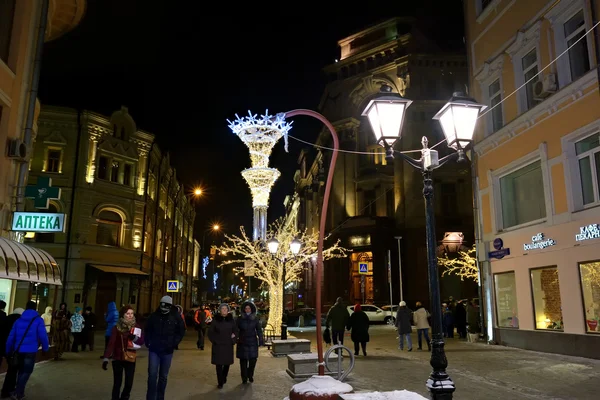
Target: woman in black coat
223	335
359	324
251	336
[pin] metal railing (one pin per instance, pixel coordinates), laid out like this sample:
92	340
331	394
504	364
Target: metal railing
341	375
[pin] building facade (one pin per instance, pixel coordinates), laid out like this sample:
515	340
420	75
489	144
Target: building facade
374	202
129	222
25	273
535	62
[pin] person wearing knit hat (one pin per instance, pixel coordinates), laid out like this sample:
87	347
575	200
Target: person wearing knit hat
163	331
77	323
222	334
251	337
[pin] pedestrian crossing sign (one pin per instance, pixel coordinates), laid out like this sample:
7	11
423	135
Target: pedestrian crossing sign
363	268
172	286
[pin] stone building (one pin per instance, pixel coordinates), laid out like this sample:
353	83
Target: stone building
374	201
128	220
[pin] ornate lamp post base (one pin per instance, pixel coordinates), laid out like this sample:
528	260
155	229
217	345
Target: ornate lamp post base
439	384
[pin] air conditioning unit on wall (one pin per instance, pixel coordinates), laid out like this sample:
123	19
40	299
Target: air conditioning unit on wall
545	87
16	148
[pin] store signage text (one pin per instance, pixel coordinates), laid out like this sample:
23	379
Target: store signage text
588	232
359	241
538	242
38	222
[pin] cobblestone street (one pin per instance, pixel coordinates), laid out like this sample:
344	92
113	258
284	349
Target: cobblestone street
479	371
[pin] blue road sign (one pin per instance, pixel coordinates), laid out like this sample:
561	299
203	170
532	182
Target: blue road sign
172	286
363	268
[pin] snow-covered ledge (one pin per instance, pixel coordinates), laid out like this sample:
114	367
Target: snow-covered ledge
319	388
395	395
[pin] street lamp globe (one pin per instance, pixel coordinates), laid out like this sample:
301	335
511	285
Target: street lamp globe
458	118
273	245
216	227
295	246
386	115
197	192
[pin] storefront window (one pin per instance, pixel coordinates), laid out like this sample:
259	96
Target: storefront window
590	287
506	300
5	293
546	298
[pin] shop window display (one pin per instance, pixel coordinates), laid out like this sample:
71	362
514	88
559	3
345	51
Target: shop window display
590	287
546	298
506	300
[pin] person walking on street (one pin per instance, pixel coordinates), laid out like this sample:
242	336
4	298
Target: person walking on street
111	317
202	318
337	319
421	320
47	317
26	336
359	324
126	337
250	338
10	379
164	330
61	339
404	325
77	323
88	329
223	334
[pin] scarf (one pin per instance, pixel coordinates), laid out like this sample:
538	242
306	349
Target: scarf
125	325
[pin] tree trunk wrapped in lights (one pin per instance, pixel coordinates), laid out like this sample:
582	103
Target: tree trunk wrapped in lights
268	268
464	266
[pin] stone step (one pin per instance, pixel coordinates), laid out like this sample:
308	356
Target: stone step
289	346
303	366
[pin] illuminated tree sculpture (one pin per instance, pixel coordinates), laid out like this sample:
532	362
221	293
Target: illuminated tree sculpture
269	269
260	134
464	266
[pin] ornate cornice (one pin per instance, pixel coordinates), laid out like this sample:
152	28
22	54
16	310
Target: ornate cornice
524	38
490	68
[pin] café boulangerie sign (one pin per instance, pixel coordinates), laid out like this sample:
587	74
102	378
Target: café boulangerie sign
588	232
539	241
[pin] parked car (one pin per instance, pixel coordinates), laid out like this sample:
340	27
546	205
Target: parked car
374	313
394	310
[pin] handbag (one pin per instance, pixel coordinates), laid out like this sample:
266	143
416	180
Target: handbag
327	336
14	359
128	355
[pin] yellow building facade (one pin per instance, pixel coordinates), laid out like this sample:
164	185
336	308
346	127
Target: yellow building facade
21	23
534	63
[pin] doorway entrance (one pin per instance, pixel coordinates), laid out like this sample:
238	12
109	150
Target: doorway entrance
106	291
362	283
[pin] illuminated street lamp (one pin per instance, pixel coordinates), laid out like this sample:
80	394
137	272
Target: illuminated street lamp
458	118
273	246
198	192
452	241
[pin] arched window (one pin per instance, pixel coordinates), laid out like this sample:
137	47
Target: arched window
46	237
109	228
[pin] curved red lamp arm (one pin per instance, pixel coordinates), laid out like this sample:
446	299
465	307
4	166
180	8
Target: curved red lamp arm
336	146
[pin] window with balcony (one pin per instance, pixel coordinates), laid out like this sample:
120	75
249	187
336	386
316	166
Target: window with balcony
588	159
529	65
495	98
377	155
522	195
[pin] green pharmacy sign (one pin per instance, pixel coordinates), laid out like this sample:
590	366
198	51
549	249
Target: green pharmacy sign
38	222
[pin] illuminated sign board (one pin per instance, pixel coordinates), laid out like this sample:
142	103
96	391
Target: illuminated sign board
539	241
38	222
588	232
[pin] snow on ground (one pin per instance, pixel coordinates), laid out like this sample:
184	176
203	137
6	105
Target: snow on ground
395	395
322	385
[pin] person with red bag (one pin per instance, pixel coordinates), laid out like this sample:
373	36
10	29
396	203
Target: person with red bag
125	338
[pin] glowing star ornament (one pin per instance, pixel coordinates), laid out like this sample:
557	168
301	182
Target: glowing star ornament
260	134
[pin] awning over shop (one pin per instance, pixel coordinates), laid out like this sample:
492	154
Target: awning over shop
118	270
26	263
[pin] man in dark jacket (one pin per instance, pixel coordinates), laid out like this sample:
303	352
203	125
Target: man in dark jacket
164	330
337	318
88	328
404	317
26	336
10	379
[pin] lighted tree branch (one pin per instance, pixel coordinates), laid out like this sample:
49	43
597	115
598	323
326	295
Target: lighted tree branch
464	266
269	269
590	273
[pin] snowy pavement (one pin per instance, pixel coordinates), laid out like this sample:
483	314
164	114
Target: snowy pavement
479	371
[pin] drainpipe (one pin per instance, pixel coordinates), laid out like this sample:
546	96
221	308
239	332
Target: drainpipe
35	81
144	224
596	37
72	205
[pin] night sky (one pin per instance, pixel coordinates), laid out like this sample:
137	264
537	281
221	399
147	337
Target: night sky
182	73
